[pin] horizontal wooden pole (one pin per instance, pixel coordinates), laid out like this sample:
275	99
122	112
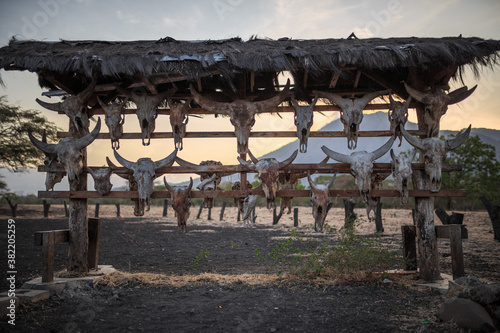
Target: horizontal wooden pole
60	236
230	169
276	134
238	194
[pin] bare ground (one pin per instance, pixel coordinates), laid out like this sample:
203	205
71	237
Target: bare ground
229	289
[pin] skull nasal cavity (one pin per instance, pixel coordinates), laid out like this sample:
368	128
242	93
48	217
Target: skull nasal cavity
144	123
304	132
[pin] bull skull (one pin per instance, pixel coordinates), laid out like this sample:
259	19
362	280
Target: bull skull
303	121
114	120
320	202
147	107
398	116
132	185
102	183
145	172
436	104
402	171
69	150
51	178
180	202
248	207
75	107
242	112
178	120
361	165
268	171
351	112
434	151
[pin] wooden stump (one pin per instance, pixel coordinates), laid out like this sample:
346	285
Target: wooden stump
222	209
117	210
165	207
454	218
350	216
199	212
494	213
296	217
276	217
46	207
66	211
409	248
97	206
378	218
94	234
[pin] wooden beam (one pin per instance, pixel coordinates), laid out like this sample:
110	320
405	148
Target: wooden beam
334	80
252	80
306	76
60	236
242	193
356	81
151	87
200	87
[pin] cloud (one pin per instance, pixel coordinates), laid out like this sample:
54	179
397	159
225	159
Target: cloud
127	17
186	20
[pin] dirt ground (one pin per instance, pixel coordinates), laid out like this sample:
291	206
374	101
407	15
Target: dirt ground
227	289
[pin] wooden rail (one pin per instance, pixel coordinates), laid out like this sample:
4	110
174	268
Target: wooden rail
241	193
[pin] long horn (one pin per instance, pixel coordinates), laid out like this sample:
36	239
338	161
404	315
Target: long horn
246	164
334	155
313	104
289	160
206	103
51	106
408	101
363	101
331	181
91	172
85	94
311	183
269	104
412	156
88	138
47	148
184	163
418	95
190	184
392	155
167	161
157	99
168	187
294	102
460	94
454	143
109	172
334	98
384	149
122	161
253	158
414	141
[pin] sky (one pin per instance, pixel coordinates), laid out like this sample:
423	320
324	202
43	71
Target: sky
218	19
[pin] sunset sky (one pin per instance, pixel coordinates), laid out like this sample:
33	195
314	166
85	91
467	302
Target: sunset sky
218	19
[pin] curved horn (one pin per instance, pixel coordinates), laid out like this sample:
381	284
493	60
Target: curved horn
101	103
418	95
331	180
334	98
246	164
167	161
384	149
47	148
160	97
168	187
363	101
51	106
412	156
392	155
206	103
454	143
408	101
294	102
414	141
391	100
184	163
313	104
460	94
269	104
109	172
289	160
253	158
122	161
311	183
91	172
88	138
190	184
334	155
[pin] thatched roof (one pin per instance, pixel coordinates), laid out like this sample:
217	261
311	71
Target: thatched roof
393	59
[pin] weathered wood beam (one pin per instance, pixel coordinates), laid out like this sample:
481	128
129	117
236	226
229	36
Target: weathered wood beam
334	80
151	87
242	193
356	80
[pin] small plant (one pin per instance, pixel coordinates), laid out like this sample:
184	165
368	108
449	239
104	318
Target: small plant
196	260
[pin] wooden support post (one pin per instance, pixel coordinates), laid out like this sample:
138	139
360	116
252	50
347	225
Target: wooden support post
494	213
66	211
117	210
209	213
276	218
94	235
378	218
46	207
409	247
48	257
454	218
296	217
165	207
457	255
238	219
97	206
254	217
13	207
350	216
199	211
222	209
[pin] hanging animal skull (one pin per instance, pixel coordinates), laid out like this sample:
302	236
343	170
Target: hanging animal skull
139	205
288	181
180	202
75	107
398	116
102	183
114	120
51	178
434	151
69	150
145	172
268	171
178	120
402	171
320	202
303	121
248	207
239	201
351	113
436	104
242	112
147	108
361	165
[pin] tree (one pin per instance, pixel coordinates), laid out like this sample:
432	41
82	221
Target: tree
16	150
480	173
